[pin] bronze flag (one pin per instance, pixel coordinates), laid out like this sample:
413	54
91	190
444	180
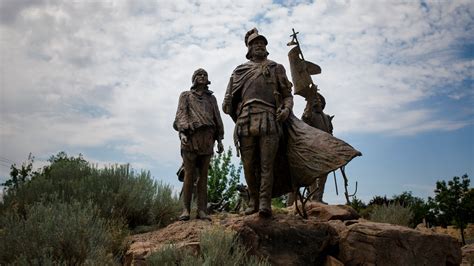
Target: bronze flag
301	71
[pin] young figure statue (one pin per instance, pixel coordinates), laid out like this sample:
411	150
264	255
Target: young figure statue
199	124
314	116
258	98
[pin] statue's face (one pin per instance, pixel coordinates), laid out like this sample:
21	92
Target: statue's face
318	105
258	48
201	78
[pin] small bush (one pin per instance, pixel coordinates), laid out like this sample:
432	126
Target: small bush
279	202
392	213
59	233
166	206
217	246
170	255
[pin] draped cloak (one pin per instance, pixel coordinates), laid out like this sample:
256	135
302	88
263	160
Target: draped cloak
305	153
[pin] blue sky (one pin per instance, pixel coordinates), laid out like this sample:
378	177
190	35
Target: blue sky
102	78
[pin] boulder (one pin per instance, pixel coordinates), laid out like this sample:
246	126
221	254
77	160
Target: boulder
287	239
181	234
334	237
283	239
467	254
324	212
331	261
369	243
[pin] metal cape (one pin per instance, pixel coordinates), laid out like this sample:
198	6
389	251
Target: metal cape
305	153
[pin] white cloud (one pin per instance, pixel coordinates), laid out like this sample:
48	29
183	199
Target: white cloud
78	75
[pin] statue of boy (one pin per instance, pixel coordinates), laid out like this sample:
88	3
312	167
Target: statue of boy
258	98
199	124
314	116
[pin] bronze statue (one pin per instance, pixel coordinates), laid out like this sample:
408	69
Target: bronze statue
199	124
312	151
259	99
314	116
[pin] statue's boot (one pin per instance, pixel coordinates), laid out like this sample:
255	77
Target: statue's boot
203	216
184	215
253	205
186	198
318	197
318	189
265	208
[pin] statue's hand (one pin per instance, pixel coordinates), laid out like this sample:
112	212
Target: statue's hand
226	105
220	147
183	138
282	114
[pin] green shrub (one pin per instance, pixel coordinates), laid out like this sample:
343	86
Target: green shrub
59	233
222	182
117	191
217	247
166	206
279	202
357	204
391	213
170	255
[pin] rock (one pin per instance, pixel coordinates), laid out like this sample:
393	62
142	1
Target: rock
287	239
467	255
323	212
283	239
182	234
331	261
422	227
369	243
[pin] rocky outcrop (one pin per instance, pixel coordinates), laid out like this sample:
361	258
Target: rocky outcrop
181	234
287	239
468	255
334	237
324	212
369	243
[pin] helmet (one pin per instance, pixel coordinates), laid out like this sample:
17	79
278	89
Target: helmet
251	36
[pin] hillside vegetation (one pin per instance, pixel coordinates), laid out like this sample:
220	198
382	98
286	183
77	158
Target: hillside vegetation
72	212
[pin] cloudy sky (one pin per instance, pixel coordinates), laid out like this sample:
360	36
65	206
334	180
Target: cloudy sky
102	78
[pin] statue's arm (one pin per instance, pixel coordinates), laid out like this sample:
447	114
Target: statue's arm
307	111
181	122
218	120
227	104
219	136
284	87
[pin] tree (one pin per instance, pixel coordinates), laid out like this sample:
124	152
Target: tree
19	176
223	180
357	204
379	200
453	202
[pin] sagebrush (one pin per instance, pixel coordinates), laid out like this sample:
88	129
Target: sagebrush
117	191
392	213
217	247
59	233
72	213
